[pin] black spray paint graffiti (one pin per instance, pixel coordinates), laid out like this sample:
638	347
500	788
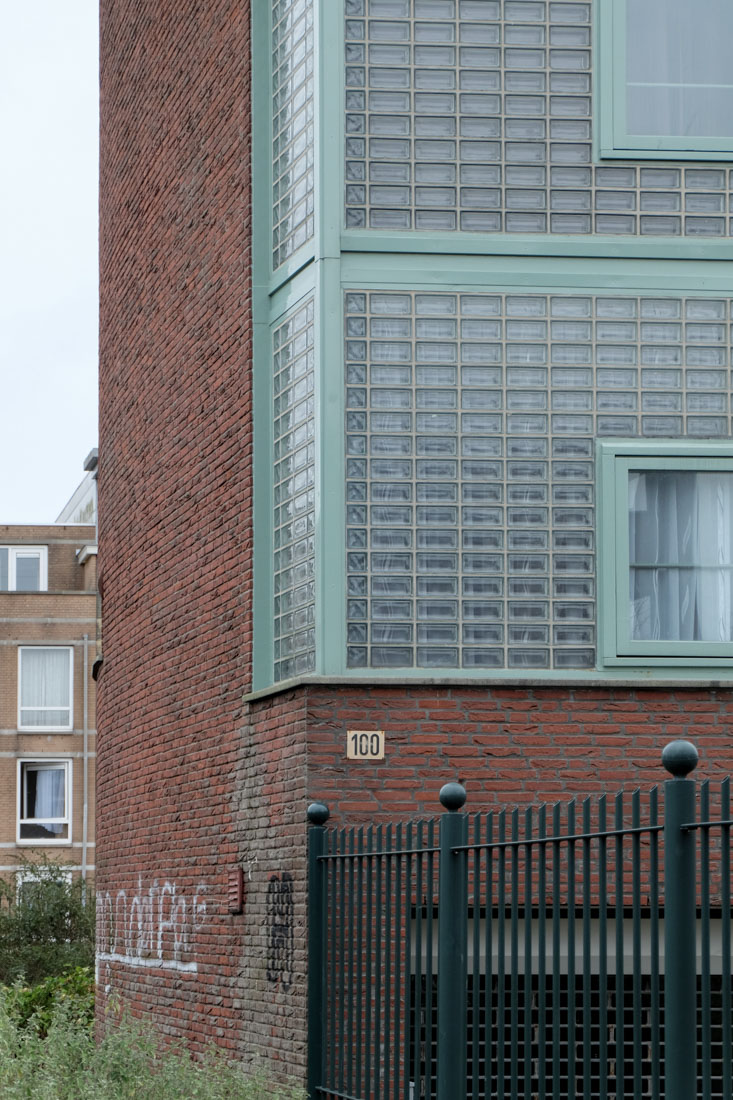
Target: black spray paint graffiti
280	929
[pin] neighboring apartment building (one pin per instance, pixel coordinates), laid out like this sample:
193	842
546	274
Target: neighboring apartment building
48	628
423	426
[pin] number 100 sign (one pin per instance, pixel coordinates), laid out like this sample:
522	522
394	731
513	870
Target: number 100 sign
365	745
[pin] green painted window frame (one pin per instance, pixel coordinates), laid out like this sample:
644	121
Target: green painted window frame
615	141
615	458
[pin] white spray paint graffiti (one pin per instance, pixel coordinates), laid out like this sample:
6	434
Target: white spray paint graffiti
157	927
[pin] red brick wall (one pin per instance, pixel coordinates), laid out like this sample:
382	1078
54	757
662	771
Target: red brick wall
174	507
507	745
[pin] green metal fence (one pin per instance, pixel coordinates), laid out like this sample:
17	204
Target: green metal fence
577	950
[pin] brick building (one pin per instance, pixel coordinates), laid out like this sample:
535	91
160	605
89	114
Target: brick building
48	631
415	417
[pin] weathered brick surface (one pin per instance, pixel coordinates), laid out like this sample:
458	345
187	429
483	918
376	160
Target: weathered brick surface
174	511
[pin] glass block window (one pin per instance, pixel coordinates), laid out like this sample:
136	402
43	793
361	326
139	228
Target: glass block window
470	428
294	494
292	127
476	115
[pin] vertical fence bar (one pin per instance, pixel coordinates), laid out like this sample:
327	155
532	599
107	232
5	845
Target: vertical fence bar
418	1000
706	1034
514	955
587	903
360	953
528	949
556	975
489	956
636	937
369	959
541	955
654	939
725	919
571	948
679	758
618	821
350	1006
409	999
602	949
317	817
478	1024
452	946
340	971
378	964
388	981
501	959
400	941
430	1009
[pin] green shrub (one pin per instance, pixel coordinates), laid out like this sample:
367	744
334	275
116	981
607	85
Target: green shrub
35	1005
46	924
125	1065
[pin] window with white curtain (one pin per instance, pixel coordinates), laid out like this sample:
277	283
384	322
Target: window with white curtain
44	801
45	695
672	79
667	543
23	568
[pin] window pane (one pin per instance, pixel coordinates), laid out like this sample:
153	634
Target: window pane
44	802
45	690
27	572
679	80
681	555
3	569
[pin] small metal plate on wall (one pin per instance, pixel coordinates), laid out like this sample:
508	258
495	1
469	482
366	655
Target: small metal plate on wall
365	745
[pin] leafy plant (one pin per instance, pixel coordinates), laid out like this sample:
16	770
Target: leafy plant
46	924
35	1005
126	1064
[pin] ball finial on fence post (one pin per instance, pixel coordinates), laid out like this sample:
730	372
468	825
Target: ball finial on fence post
452	796
680	758
318	813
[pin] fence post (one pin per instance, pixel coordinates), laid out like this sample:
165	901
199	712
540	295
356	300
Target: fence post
680	982
452	947
317	817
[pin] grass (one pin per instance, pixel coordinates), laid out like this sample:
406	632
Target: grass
51	1055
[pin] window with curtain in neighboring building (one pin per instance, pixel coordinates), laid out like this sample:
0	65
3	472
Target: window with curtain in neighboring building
45	687
44	796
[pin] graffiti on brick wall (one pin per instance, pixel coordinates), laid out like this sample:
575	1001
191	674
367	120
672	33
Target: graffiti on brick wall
280	917
155	927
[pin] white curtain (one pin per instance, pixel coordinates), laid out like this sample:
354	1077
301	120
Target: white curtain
50	799
44	687
45	678
679	77
681	556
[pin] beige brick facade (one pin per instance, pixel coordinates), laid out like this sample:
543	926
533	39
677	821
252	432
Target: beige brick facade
63	617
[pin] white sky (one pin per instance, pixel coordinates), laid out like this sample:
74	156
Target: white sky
48	253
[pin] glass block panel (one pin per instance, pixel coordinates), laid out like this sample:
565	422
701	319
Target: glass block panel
293	125
451	92
472	456
294	495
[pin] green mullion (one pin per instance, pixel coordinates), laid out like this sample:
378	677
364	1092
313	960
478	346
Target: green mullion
330	475
262	594
563	246
329	114
537	273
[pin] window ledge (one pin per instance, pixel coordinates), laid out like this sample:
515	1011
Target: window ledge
644	679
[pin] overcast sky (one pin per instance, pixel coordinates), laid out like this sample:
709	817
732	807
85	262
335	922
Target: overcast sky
48	248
